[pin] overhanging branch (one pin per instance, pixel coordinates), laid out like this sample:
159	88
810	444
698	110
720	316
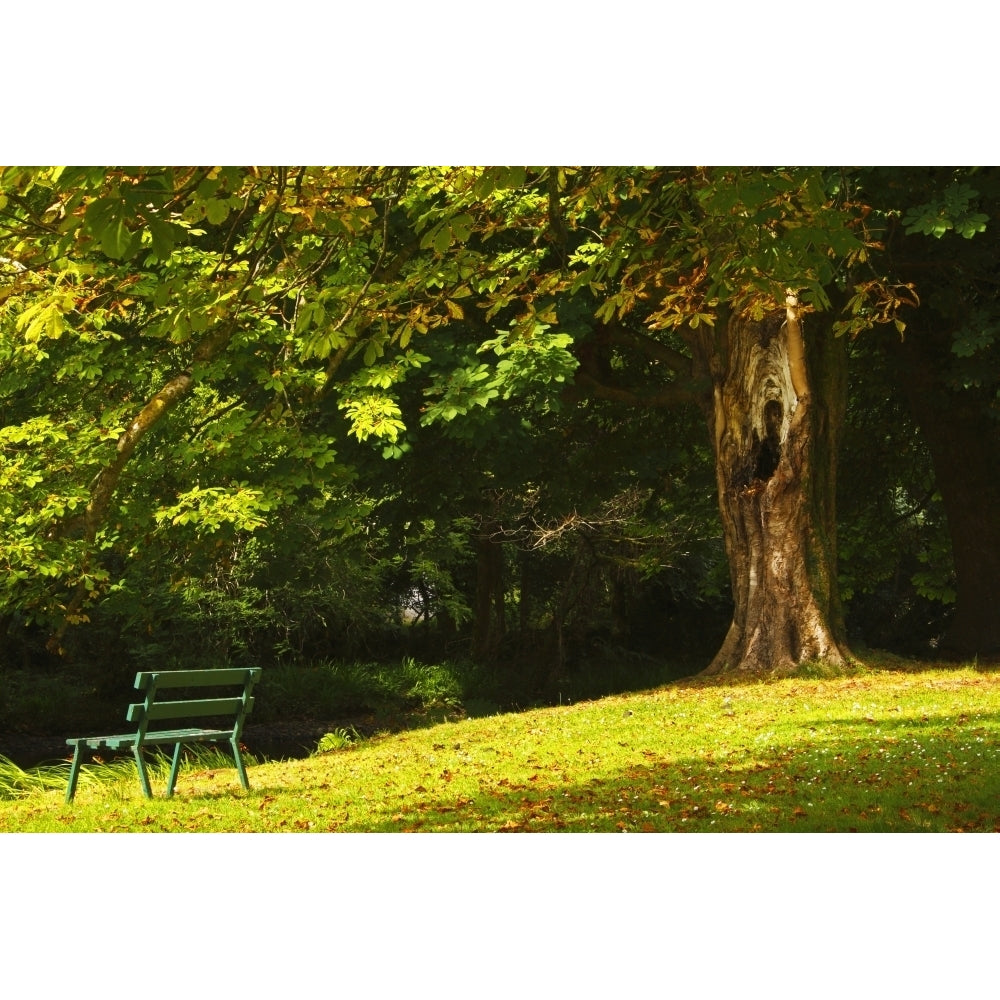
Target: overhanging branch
651	348
674	394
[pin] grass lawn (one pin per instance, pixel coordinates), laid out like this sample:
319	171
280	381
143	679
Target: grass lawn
893	747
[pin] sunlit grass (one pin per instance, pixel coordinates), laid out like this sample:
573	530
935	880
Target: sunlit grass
110	777
888	748
15	783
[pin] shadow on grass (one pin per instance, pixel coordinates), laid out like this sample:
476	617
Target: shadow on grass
842	777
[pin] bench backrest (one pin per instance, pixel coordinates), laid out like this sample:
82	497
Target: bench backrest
233	708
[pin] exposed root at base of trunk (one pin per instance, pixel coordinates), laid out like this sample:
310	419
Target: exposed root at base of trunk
752	657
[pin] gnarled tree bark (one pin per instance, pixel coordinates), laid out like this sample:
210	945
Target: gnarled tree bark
777	408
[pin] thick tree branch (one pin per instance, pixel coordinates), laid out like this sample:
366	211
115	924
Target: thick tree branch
557	228
105	483
103	486
675	394
648	346
796	346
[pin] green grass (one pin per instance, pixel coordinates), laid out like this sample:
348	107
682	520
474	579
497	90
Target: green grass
889	747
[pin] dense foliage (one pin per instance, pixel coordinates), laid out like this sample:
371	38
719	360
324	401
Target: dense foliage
297	414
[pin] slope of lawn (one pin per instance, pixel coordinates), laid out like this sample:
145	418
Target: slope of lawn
890	747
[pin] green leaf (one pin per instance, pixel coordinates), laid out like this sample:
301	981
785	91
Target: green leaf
310	314
978	335
461	227
216	210
116	239
165	237
970	224
515	177
952	211
443	239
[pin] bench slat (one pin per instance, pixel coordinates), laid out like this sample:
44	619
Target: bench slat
125	741
195	678
188	709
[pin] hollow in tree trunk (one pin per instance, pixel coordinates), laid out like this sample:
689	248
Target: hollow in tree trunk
776	412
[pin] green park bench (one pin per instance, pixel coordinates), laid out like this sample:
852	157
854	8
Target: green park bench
232	709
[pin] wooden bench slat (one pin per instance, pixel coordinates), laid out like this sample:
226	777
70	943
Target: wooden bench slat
224	676
117	742
125	741
187	735
187	709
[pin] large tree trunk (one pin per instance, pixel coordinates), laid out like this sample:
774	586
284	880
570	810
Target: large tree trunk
964	442
777	411
490	623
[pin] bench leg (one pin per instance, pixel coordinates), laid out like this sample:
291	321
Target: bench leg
239	765
174	768
74	773
140	763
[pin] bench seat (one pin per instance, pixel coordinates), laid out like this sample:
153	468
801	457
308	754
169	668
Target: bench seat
126	741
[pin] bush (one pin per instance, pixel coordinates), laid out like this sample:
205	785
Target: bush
331	690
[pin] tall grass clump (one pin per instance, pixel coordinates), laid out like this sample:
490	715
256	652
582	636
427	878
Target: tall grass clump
118	778
15	783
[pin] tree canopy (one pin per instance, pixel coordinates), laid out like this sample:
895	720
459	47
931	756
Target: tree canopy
506	404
